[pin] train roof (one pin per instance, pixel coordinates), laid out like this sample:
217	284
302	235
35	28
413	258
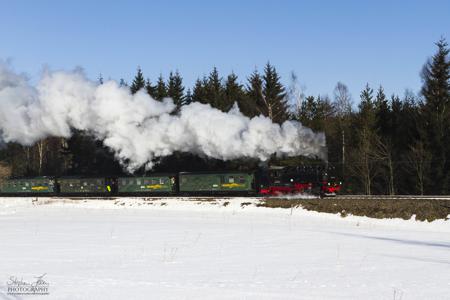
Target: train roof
216	172
149	175
31	178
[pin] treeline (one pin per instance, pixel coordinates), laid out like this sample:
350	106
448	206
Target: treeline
383	145
262	94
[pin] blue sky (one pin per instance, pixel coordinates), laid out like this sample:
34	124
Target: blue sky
381	42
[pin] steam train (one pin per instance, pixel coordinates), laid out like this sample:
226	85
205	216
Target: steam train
269	182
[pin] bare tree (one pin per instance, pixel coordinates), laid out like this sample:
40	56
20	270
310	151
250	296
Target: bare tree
296	93
363	165
383	153
419	161
343	107
270	107
41	147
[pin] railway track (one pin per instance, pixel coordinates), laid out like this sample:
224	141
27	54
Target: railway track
211	198
394	197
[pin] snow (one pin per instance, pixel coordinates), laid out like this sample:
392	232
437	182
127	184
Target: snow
178	248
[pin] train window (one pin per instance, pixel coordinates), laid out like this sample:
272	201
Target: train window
146	181
138	181
241	179
161	181
85	183
124	182
231	179
99	181
26	184
154	181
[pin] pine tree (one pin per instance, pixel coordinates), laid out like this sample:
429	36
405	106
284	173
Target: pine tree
199	93
323	113
123	83
382	114
307	111
436	76
384	150
100	79
254	94
367	108
233	93
315	112
436	112
175	89
363	165
188	99
151	89
161	89
138	82
274	104
214	90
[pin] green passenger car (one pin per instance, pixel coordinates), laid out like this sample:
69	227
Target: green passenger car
238	182
28	186
84	186
150	184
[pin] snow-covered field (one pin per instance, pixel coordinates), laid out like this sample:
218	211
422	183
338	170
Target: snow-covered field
177	249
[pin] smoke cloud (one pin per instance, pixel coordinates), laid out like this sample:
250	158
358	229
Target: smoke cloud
136	127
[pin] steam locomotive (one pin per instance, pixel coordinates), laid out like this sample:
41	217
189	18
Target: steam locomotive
307	179
269	182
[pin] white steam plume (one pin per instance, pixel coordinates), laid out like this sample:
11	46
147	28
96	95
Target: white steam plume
137	128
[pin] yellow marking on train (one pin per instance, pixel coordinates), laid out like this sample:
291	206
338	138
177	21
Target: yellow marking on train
108	188
154	186
232	185
39	188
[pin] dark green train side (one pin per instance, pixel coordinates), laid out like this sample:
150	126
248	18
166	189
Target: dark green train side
28	186
84	186
217	183
148	185
232	183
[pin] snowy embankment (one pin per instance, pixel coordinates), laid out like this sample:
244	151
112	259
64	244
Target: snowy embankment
178	248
